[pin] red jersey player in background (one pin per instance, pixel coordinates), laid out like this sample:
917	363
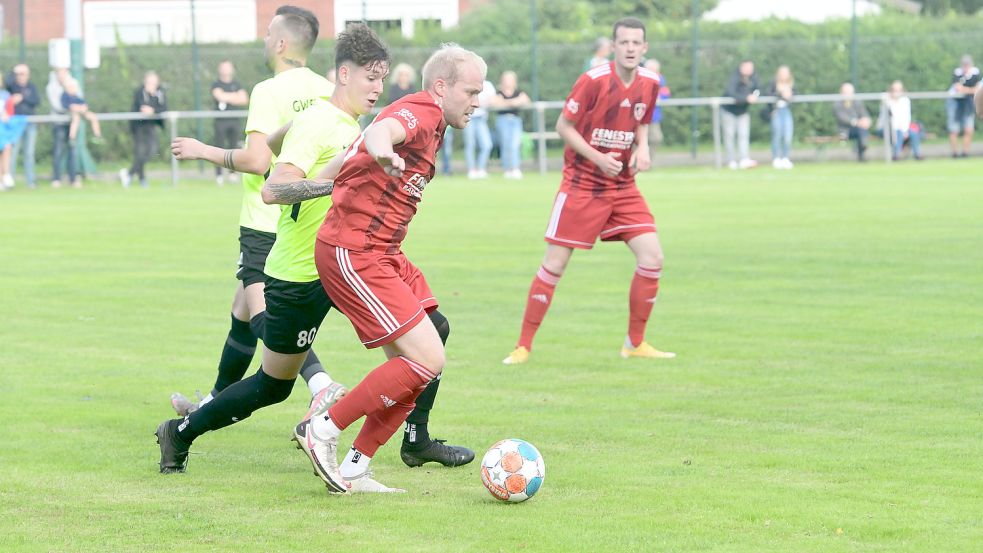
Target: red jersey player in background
605	126
380	181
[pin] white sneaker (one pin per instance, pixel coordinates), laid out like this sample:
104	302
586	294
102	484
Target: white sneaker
482	174
8	180
472	174
732	165
788	163
363	483
124	177
778	163
747	163
323	454
323	400
219	180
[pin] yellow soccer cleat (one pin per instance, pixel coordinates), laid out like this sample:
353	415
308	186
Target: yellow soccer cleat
645	350
520	355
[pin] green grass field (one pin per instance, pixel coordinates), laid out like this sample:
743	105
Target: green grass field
826	397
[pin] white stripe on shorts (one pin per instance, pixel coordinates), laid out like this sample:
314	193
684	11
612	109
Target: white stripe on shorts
371	301
561	198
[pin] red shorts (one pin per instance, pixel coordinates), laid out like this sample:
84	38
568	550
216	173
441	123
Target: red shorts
384	296
579	218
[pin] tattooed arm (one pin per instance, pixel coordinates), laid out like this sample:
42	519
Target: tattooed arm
288	184
295	192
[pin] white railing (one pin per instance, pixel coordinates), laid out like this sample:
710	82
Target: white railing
541	133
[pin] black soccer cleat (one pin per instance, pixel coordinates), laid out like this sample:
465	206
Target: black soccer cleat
436	452
173	450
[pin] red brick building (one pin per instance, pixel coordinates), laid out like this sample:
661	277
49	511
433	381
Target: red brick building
169	21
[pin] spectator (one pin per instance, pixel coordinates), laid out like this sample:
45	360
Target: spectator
26	100
62	151
897	110
508	99
655	126
959	107
403	82
148	99
446	151
11	129
477	135
780	116
228	95
743	88
853	119
78	109
602	53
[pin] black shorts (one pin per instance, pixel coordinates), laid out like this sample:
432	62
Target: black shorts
254	247
294	312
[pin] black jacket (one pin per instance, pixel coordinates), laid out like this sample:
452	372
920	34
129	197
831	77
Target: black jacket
157	100
31	100
739	89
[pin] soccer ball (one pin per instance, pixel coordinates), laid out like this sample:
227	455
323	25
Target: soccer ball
513	470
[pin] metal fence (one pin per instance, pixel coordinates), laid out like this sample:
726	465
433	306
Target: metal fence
542	127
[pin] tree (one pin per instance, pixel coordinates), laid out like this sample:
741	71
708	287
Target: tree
943	7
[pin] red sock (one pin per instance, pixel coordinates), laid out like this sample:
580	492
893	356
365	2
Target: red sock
381	425
540	296
641	298
392	382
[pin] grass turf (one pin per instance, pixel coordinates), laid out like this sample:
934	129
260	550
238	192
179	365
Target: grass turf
826	396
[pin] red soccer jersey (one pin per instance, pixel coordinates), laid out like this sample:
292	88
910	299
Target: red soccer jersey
607	113
370	209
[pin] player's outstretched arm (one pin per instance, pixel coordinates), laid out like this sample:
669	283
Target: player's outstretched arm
288	184
379	141
254	158
608	163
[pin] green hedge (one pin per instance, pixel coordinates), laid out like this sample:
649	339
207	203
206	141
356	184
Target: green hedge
920	51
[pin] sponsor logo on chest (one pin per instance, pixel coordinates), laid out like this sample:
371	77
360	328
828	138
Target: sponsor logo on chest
608	138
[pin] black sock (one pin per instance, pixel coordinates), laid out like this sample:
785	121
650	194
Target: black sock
312	366
415	432
236	403
236	355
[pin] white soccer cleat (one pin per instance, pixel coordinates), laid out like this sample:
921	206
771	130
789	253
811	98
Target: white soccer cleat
124	177
363	483
323	400
323	454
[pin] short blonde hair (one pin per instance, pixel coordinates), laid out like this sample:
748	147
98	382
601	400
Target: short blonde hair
445	62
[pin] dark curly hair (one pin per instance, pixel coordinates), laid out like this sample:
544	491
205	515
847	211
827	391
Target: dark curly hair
360	45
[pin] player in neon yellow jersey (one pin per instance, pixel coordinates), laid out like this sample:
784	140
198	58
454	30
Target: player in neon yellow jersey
293	88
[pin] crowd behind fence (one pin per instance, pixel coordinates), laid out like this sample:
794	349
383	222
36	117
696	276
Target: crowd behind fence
543	116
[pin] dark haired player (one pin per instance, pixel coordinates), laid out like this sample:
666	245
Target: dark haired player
605	126
274	102
290	37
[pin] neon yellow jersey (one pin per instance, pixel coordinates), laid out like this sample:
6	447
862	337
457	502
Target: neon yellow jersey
315	138
272	104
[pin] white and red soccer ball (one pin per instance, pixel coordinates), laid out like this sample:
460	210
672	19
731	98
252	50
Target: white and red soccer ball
512	470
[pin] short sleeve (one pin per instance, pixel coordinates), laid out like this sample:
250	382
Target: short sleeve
416	120
650	109
263	112
303	142
581	98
